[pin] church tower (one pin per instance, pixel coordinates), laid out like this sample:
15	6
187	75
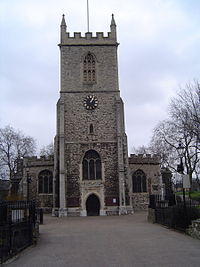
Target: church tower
91	170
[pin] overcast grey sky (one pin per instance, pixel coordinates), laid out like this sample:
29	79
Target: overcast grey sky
158	53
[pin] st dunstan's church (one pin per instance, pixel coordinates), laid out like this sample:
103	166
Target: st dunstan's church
90	172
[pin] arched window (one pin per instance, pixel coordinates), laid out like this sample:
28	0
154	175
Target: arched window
91	166
139	182
45	182
89	68
91	129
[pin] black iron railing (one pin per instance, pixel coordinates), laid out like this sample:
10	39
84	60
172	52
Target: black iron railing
171	214
160	201
17	223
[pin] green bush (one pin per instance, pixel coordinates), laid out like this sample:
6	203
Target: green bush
195	196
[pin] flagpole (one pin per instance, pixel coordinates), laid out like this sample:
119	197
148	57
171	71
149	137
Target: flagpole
88	16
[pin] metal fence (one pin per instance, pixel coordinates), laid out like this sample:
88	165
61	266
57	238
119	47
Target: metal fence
160	201
17	223
168	216
171	214
177	217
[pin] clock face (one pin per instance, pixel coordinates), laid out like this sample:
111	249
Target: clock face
90	102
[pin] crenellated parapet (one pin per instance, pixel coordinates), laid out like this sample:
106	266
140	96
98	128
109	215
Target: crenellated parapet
88	39
144	159
41	158
35	161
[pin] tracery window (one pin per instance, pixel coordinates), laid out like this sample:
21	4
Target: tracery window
45	182
91	165
139	182
89	68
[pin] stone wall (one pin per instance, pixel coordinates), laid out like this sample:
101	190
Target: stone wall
140	201
151	215
74	138
32	166
72	68
150	165
194	229
77	188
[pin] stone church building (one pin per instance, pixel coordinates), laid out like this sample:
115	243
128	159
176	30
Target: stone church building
90	172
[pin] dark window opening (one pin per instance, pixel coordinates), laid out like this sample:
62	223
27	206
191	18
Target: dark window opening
91	130
89	66
91	166
45	182
139	182
85	169
98	169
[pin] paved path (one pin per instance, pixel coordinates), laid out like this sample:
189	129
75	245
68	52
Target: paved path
123	241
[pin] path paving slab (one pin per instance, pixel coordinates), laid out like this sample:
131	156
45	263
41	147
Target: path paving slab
113	241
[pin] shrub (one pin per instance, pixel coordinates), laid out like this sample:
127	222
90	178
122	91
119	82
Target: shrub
195	196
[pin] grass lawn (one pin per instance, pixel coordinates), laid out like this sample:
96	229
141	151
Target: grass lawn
194	195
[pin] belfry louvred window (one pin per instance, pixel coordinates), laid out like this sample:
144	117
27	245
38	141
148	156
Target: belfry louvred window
45	182
91	166
139	182
89	68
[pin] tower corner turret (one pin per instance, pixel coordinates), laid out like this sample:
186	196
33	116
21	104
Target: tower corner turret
63	29
113	27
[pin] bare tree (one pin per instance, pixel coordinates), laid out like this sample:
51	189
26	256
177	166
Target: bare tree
184	126
13	146
47	150
164	142
197	173
141	150
185	109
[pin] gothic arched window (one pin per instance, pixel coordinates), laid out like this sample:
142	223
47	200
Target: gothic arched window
91	165
139	182
89	68
45	182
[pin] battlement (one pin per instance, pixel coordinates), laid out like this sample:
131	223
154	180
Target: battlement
144	159
41	158
29	162
88	39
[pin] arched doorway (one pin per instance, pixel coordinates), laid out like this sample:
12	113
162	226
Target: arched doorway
93	205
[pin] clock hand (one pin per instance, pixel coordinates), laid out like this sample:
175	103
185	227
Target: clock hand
92	99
